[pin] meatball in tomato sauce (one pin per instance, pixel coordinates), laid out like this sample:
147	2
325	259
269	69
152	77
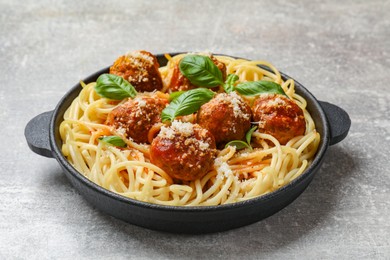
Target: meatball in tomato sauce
279	116
226	116
137	116
180	83
185	151
140	68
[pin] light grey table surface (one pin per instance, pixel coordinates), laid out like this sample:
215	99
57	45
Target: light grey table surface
340	50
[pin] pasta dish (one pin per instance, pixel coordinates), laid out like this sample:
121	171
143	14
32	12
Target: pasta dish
201	130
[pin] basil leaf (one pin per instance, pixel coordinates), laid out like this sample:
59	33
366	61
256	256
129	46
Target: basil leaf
248	135
254	88
114	87
187	103
113	140
201	71
238	144
229	83
241	144
175	94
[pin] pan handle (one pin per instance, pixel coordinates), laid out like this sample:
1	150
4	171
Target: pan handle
37	134
339	122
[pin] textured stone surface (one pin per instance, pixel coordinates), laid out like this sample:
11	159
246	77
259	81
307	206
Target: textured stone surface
340	50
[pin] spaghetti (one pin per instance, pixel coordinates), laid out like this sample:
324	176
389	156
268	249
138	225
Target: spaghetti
236	175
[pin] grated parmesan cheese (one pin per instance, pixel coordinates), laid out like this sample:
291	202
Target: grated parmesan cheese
236	103
275	102
121	130
183	128
223	169
203	145
235	100
141	102
167	132
141	56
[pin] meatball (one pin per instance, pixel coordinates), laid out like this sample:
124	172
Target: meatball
137	116
185	151
180	83
279	116
140	68
226	116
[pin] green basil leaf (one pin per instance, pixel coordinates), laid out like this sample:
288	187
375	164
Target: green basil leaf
254	88
238	144
201	71
113	140
114	87
248	135
175	94
187	103
229	83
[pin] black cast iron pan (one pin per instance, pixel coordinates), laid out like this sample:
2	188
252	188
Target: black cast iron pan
42	135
